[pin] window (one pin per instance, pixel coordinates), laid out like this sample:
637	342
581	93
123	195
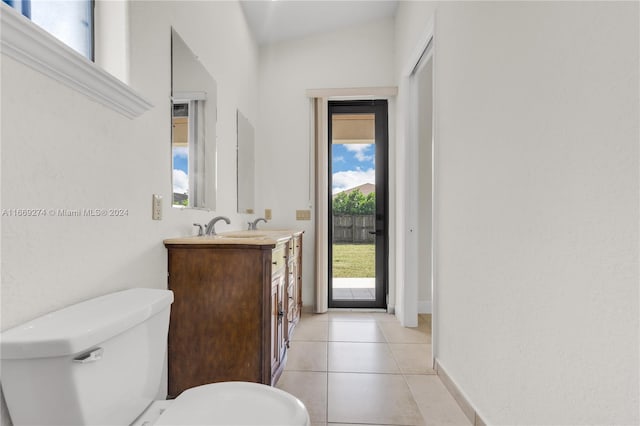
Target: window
70	21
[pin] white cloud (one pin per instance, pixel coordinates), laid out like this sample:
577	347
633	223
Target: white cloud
352	178
181	152
180	182
338	159
359	151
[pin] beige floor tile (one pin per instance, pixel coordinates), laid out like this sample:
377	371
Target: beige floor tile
352	424
413	358
384	317
361	316
350	331
311	331
350	316
310	388
361	358
436	404
396	333
309	317
371	398
307	356
357	424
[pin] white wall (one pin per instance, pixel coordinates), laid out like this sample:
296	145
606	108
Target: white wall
361	56
62	150
536	206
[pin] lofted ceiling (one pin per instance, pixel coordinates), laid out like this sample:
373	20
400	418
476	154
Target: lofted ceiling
272	21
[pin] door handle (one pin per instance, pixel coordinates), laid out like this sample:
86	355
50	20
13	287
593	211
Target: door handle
376	232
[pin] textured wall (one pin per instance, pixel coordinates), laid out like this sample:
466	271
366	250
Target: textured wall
537	207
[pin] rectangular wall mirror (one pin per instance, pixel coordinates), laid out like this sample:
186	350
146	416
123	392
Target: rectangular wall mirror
246	165
193	123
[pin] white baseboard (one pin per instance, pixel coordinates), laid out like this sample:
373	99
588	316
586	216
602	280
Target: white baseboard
460	397
424	307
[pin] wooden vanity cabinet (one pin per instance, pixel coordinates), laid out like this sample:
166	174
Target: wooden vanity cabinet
229	315
278	312
294	284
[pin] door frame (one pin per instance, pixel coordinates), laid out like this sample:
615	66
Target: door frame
380	108
319	185
424	51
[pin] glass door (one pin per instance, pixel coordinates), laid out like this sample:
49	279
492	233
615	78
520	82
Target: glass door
358	250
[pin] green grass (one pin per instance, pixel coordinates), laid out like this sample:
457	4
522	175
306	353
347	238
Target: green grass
354	260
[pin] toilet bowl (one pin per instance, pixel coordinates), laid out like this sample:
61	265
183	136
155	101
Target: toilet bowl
100	362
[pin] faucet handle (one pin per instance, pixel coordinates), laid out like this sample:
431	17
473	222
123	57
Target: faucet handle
249	226
200	229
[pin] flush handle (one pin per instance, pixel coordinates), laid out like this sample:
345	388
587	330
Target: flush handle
91	356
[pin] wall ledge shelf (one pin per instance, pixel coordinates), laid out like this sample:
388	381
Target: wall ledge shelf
29	44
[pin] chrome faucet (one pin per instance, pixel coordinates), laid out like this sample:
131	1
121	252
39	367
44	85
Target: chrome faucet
211	226
254	225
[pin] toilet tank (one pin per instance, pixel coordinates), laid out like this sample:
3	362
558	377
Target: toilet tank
98	362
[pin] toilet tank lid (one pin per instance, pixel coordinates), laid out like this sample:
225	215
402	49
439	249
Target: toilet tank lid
84	325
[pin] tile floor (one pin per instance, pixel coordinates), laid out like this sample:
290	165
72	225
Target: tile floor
366	369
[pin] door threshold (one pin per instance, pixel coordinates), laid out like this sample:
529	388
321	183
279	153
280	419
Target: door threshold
361	310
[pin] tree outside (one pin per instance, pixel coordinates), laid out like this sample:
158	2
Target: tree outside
354	202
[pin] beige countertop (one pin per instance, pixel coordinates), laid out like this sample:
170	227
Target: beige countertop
260	237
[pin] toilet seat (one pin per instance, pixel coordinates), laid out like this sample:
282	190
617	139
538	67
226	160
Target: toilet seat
234	403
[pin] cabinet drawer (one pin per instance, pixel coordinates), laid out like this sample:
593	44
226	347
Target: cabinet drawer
295	246
278	259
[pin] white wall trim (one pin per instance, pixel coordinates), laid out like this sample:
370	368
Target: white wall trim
321	205
458	394
407	236
29	44
359	92
420	49
189	96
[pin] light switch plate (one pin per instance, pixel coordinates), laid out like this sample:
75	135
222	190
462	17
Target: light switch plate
156	207
267	214
303	214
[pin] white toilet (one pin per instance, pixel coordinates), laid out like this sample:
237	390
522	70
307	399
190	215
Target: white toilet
100	363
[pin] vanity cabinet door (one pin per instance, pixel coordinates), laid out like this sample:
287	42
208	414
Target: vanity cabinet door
292	306
297	244
276	323
278	311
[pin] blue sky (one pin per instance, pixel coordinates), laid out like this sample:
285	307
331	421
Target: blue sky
352	165
180	170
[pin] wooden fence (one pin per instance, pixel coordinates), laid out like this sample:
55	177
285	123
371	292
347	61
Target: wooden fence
353	229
